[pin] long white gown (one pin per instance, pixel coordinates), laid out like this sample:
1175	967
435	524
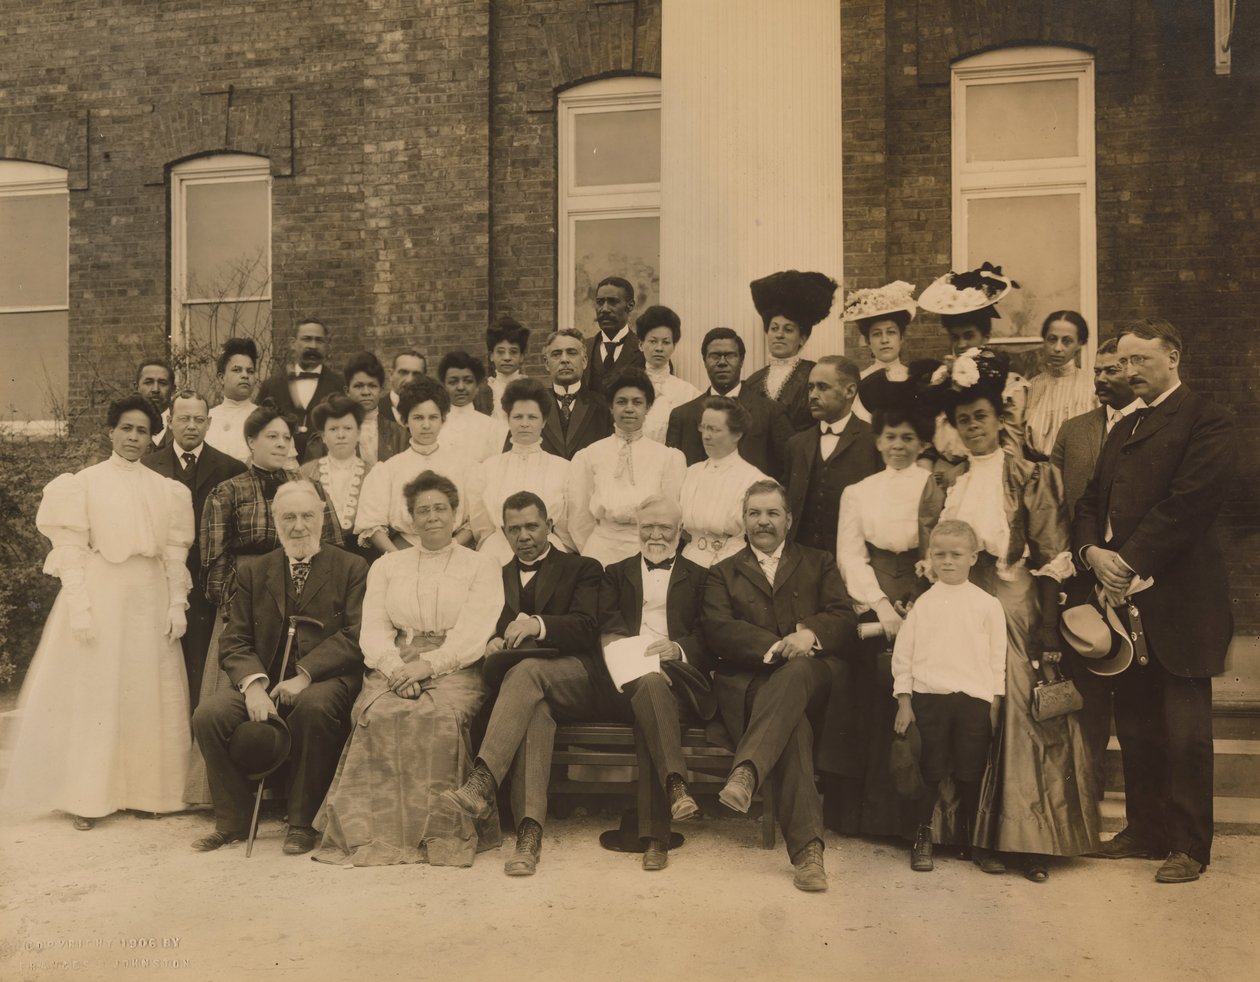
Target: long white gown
713	507
104	724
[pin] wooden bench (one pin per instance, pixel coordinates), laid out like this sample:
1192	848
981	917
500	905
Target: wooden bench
614	745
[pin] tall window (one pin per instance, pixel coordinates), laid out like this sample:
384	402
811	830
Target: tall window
34	295
1023	176
220	260
610	193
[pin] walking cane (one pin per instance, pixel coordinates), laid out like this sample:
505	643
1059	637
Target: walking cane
284	667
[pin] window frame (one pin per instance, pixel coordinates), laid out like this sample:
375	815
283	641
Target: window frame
1033	177
27	178
599	202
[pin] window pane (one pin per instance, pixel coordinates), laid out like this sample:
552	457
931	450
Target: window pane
207	326
1022	120
227	229
1037	240
35	377
34	234
627	247
622	147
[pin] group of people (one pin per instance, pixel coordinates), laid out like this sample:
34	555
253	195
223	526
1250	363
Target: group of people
394	587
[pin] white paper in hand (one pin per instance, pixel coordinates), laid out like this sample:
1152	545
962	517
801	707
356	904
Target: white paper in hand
626	661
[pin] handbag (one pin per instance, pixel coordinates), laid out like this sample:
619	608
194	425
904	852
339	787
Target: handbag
1054	696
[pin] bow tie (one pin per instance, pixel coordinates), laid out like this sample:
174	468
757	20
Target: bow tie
663	564
829	430
297	376
529	567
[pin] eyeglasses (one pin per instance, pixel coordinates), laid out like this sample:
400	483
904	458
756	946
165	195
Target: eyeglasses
1134	361
184	420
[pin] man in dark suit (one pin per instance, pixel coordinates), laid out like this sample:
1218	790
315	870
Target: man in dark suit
323	676
1144	526
409	366
1075	454
550	602
657	596
614	346
775	614
578	416
765	444
155	380
193	462
826	459
305	382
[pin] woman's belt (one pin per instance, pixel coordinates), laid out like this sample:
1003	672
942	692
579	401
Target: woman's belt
710	543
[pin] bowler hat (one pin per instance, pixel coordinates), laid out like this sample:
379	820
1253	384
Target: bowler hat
258	748
1097	635
626	837
903	761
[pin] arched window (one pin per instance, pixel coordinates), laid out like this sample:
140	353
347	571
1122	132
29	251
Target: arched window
1023	181
609	175
220	260
34	295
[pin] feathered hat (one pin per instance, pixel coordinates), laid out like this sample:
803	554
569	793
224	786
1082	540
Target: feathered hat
895	300
972	293
803	298
976	373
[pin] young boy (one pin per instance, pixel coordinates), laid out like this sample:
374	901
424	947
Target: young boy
506	343
949	677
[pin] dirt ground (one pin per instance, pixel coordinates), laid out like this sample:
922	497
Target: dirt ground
131	900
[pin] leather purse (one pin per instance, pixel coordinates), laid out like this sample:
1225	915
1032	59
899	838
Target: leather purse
1054	696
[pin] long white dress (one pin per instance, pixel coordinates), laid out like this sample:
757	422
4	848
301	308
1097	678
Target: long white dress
104	724
670	393
713	507
521	469
607	480
382	504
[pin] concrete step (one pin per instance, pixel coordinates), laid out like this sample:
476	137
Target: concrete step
1235	771
1231	816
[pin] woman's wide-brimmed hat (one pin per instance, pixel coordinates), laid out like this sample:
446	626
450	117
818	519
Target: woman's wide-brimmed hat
1095	633
967	292
882	301
803	298
975	374
259	748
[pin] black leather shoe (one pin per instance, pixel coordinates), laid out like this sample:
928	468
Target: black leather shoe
1179	868
987	860
1125	845
810	875
737	793
921	851
300	839
524	859
655	855
682	805
216	840
475	796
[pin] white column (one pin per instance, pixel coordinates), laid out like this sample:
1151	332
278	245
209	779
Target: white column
750	170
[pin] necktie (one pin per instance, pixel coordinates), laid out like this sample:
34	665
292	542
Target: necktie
296	376
301	569
1138	416
663	564
565	402
609	348
189	460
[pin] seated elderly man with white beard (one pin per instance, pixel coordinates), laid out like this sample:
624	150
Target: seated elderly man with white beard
321	586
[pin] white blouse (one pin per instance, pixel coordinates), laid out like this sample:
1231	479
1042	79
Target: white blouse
712	502
671	392
608	479
476	435
521	469
383	507
498	385
227	428
343	481
978	498
412	591
882	510
1053	399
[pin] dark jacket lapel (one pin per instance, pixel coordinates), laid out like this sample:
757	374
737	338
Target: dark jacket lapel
848	436
676	597
277	581
317	577
546	580
633	612
1159	417
512	587
751	569
579	413
788	561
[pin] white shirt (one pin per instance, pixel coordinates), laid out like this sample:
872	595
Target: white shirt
671	392
475	435
712	501
769	562
953	640
882	510
523	468
166	425
498	385
617	341
227	428
1115	415
830	434
179	455
302	390
733	394
382	506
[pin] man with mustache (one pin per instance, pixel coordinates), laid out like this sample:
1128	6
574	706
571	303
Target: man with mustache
614	347
156	382
1144	527
776	613
306	381
578	416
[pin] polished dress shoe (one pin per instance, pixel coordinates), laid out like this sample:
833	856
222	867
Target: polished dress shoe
810	875
475	796
216	840
682	805
987	860
524	859
655	855
737	793
1179	868
921	851
1124	845
300	839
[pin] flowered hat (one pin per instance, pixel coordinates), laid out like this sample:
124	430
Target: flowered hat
803	298
976	373
883	301
966	293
